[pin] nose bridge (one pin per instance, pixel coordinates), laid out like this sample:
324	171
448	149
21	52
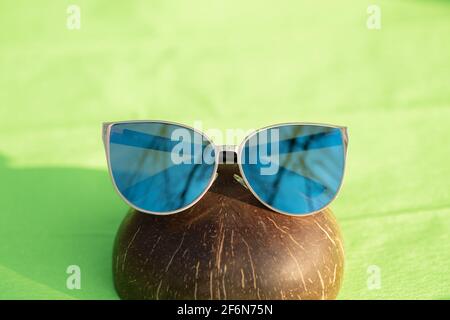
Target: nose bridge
227	154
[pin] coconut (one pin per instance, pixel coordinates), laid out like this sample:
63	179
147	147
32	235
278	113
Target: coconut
228	246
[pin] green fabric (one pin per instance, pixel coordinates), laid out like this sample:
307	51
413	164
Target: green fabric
230	64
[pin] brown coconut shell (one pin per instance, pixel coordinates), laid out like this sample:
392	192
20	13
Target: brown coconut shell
228	246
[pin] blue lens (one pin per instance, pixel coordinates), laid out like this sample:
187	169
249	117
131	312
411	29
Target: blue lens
296	169
160	167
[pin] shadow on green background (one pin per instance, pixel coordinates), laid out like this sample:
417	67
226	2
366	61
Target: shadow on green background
52	218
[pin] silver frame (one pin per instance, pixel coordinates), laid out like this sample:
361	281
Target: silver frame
106	132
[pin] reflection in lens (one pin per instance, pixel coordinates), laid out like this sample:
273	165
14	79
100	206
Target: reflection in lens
310	164
159	167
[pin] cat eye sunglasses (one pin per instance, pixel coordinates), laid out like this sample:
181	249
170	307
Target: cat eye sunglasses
162	168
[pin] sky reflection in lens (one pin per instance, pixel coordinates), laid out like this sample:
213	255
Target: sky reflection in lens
146	170
310	167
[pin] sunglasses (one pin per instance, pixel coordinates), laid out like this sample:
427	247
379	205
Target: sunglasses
161	167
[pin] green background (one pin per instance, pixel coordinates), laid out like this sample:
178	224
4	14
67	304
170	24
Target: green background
230	64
